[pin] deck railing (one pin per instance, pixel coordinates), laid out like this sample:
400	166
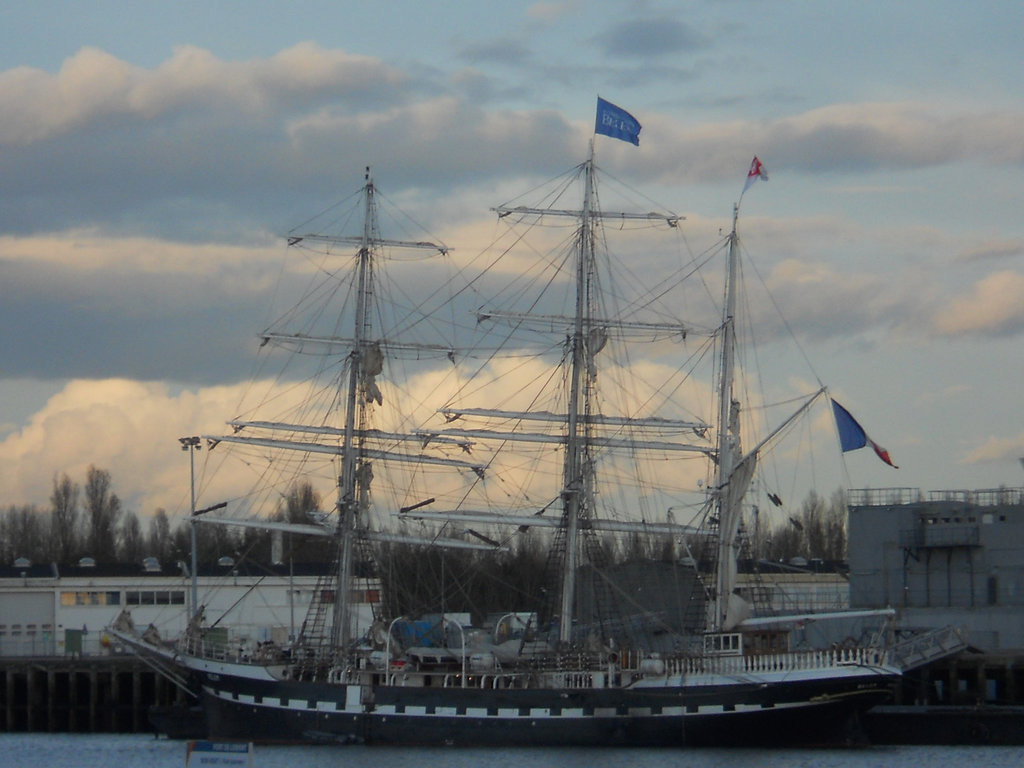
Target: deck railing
792	661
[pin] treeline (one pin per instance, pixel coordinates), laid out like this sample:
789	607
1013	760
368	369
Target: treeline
89	520
82	520
817	530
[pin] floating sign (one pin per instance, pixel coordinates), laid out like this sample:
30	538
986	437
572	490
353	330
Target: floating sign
218	753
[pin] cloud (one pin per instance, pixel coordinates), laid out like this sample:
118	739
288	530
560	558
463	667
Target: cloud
899	135
950	394
93	85
549	12
993	307
87	305
104	143
76	253
128	427
996	449
507	51
841	138
656	36
994	249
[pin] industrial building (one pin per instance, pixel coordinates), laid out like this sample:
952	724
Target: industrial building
945	558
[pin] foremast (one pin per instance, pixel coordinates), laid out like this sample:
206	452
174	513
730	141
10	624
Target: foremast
734	470
349	438
726	501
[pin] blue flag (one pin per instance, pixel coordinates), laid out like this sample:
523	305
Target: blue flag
616	122
852	435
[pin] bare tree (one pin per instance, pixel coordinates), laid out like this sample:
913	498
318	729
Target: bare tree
818	531
835	527
132	543
23	534
64	540
102	508
159	539
785	541
812	516
302	505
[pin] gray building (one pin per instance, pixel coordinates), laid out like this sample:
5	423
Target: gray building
951	557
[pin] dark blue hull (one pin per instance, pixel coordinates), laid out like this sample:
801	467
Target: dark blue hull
810	712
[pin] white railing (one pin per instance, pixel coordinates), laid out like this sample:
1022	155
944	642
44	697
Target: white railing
779	662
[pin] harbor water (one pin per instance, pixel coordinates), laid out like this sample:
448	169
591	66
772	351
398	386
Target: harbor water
34	750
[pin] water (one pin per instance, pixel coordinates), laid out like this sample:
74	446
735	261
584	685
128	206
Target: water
34	750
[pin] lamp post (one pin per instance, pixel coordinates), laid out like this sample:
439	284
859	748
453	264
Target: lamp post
192	444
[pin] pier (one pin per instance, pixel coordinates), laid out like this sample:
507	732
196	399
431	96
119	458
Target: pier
102	694
970	698
967	679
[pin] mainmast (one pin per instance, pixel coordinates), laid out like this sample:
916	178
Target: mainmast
573	483
348	491
586	338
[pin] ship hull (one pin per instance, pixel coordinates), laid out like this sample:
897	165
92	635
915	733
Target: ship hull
800	712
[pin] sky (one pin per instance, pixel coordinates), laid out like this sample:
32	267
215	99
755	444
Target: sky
152	155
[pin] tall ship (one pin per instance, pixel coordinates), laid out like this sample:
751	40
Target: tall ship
472	417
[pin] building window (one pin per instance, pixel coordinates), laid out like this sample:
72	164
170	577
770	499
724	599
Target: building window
68	599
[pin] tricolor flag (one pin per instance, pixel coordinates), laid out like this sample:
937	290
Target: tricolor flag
852	435
616	122
756	172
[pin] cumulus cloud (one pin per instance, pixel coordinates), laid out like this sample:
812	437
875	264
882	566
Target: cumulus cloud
130	428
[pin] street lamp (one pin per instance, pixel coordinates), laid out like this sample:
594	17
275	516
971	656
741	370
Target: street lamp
192	444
